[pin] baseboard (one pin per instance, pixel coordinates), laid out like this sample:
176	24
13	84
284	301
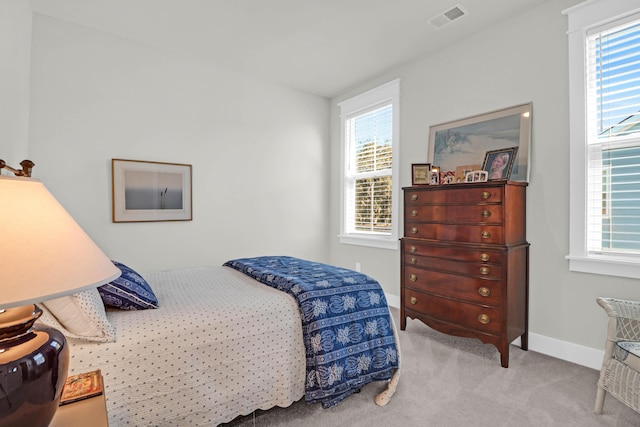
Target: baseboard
392	300
574	353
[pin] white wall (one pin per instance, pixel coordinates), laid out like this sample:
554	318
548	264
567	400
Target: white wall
259	151
95	97
15	48
520	60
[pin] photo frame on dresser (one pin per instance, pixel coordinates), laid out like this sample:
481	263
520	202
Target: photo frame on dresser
434	175
420	173
498	163
150	191
462	171
466	141
476	176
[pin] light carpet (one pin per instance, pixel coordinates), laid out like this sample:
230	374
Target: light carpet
452	381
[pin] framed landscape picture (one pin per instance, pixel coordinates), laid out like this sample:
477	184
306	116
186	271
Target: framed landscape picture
150	191
466	141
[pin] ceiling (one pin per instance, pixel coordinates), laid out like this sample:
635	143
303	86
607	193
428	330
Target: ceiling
323	47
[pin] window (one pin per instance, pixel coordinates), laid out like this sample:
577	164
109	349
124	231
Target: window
604	82
369	126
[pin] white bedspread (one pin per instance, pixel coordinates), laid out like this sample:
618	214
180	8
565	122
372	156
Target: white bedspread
220	345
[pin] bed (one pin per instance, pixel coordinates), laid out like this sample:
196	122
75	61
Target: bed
220	345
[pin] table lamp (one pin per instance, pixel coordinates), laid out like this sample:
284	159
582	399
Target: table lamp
44	254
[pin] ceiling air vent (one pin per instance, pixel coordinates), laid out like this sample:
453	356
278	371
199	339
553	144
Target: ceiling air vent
447	17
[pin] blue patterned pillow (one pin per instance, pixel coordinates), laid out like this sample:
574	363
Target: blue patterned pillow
129	291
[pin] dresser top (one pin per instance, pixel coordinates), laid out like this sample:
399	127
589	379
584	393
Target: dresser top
461	185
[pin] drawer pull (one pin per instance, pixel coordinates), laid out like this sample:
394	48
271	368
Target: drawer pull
485	292
414	197
413	300
412	249
413	260
484	257
414	213
413	277
484	270
485	234
484	319
414	230
485	195
485	214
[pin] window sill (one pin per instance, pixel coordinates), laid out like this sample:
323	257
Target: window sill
605	265
371	241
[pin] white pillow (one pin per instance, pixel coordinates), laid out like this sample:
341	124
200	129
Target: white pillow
79	316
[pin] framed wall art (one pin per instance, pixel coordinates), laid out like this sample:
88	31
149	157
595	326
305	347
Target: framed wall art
150	191
466	141
420	173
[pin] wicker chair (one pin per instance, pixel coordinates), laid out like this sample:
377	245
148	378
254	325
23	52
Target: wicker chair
620	375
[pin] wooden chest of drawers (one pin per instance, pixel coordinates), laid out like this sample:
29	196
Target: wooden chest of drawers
465	261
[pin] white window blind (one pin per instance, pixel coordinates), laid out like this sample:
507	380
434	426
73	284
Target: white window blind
613	138
369	124
369	176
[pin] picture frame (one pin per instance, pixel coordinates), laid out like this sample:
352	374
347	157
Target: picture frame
145	191
420	173
461	171
447	177
466	141
81	386
498	163
476	176
434	175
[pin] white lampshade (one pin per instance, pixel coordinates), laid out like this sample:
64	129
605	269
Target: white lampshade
44	253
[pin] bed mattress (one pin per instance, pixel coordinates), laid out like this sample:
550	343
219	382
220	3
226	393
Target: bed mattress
220	345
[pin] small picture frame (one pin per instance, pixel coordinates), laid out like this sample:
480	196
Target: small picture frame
434	175
420	173
498	163
81	386
476	176
447	177
461	172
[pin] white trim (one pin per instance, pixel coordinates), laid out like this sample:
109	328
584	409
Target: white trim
392	300
371	241
609	266
592	13
371	97
389	91
582	18
563	350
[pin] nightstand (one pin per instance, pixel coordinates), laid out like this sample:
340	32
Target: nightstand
91	411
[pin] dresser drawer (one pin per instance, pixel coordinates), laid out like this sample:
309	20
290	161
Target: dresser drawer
454	194
481	270
472	289
455	213
491	234
459	253
464	314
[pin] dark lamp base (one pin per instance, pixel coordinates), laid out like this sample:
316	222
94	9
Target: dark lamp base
33	368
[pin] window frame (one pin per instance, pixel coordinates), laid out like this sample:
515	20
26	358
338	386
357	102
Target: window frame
388	93
582	18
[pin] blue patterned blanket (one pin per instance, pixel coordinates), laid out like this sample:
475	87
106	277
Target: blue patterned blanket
347	330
